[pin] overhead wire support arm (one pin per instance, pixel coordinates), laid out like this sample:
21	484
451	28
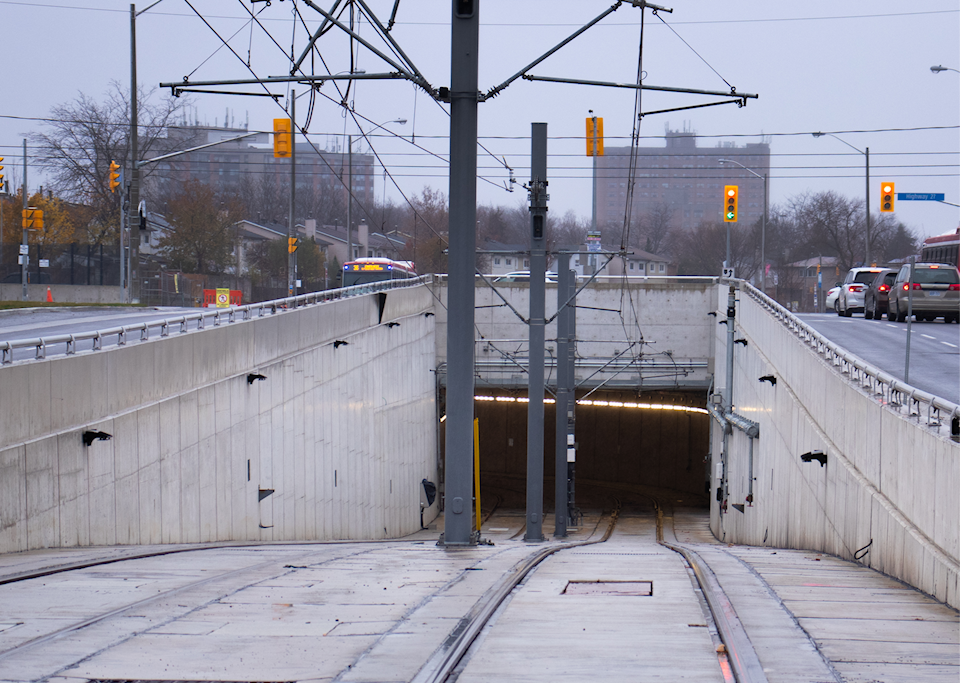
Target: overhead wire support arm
177	92
313	38
419	80
386	34
185	85
634	86
193	149
739	103
493	92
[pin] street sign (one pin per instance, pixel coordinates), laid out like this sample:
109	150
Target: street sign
44	263
920	197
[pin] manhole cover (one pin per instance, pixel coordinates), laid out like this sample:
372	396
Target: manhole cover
639	588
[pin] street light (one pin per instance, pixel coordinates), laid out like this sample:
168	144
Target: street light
763	223
938	69
866	260
350	179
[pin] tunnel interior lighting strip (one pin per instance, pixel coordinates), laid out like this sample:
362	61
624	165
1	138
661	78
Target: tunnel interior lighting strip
601	404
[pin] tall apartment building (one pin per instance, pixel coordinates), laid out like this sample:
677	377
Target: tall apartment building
686	177
252	157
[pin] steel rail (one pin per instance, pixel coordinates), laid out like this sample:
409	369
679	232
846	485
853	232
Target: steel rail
941	414
198	320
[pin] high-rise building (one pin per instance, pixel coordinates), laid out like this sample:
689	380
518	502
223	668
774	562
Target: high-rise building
687	178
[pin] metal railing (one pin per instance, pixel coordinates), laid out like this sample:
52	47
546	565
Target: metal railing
181	324
937	413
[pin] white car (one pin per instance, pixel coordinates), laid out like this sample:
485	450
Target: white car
850	298
831	300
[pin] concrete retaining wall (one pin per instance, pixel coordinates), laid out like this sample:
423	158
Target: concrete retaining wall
888	483
341	436
77	294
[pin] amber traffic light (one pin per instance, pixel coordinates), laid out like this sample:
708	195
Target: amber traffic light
292	244
594	134
281	138
730	194
114	176
886	197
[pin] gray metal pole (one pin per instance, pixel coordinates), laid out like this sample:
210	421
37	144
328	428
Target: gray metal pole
538	268
25	238
866	262
349	197
731	319
906	361
565	448
593	222
291	223
458	447
763	240
133	221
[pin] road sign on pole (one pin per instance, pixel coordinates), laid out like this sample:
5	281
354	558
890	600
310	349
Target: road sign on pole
920	197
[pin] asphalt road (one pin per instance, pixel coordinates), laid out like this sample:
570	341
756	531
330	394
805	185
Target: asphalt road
934	348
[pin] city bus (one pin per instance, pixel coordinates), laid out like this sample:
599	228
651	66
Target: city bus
366	270
943	248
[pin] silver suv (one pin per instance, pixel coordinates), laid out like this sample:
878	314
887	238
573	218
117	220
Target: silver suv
936	293
850	298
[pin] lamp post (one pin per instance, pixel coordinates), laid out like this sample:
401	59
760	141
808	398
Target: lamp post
350	180
938	69
763	224
866	153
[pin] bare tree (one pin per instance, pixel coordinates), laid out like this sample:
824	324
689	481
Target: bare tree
656	227
85	135
201	240
701	251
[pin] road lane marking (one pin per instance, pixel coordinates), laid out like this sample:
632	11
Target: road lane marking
952	346
896	327
928	337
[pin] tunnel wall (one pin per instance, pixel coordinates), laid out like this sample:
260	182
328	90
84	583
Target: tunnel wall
342	437
656	448
889	483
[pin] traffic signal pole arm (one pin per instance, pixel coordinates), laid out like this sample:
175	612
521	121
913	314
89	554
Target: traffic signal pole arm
140	164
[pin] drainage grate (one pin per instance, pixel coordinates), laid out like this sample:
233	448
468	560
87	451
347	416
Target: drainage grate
620	588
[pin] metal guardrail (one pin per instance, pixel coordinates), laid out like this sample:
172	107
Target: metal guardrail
73	343
939	413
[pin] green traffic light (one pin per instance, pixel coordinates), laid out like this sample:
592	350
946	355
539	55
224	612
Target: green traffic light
731	214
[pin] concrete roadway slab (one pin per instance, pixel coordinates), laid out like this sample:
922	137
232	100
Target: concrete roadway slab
360	613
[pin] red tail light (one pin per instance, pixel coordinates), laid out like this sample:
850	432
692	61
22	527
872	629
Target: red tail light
856	288
906	286
954	288
883	288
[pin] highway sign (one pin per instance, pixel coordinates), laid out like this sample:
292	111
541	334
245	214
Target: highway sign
920	197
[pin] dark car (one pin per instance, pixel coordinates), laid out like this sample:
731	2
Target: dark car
936	293
876	297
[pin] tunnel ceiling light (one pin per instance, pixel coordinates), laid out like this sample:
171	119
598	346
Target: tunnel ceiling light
598	404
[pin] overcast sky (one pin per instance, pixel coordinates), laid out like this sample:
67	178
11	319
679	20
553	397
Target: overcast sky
859	69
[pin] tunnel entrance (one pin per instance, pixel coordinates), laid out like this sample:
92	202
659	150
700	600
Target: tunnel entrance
656	440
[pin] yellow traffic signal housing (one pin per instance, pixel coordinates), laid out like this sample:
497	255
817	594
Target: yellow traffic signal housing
114	181
292	244
886	197
730	196
32	218
1	174
281	138
594	131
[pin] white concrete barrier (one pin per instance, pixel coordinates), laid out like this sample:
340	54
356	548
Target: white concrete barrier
332	444
889	494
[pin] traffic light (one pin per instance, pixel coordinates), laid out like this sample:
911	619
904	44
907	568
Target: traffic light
292	244
886	197
594	130
730	193
115	181
32	218
281	138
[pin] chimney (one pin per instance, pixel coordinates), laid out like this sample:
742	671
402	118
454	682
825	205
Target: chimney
310	226
363	236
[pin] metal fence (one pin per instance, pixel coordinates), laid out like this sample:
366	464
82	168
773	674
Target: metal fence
69	344
66	264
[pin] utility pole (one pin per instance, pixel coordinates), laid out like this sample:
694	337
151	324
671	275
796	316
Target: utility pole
566	451
24	243
535	352
866	257
349	197
133	266
593	221
291	224
461	295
